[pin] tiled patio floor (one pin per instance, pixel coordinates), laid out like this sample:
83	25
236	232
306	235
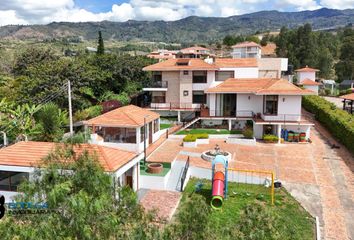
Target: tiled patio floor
315	165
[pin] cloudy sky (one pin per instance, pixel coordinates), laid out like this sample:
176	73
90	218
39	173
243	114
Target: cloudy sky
46	11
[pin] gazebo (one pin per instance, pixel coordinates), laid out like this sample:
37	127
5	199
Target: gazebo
348	100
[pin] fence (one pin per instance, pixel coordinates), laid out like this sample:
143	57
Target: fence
256	182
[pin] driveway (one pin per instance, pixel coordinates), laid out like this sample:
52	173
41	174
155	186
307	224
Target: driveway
337	101
319	177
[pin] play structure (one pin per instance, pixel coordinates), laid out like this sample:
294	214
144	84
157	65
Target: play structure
219	181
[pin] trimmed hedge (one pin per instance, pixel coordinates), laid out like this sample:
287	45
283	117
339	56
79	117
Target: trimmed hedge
194	137
339	122
270	138
248	133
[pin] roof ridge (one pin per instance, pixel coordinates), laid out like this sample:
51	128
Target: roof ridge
101	150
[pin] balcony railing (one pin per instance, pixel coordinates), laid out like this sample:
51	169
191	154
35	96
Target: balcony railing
174	106
279	118
231	114
159	84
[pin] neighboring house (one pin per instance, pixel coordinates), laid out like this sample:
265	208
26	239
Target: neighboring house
123	128
18	162
246	50
272	67
162	54
346	84
306	77
193	52
268	50
272	105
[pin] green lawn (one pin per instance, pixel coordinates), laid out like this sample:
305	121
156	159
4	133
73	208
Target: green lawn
208	131
298	223
165	125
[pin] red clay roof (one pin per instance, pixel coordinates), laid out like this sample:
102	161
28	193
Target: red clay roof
307	69
246	44
348	96
309	82
30	154
127	116
258	86
192	49
269	49
237	62
172	65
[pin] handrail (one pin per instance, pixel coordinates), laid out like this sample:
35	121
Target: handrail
184	174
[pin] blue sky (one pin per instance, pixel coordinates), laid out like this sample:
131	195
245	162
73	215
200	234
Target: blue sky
46	11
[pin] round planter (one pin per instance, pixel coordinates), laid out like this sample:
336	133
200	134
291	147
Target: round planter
154	168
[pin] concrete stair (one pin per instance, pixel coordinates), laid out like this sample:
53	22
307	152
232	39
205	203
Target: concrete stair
190	123
174	181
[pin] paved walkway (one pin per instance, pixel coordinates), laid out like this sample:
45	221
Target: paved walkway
337	101
163	203
320	177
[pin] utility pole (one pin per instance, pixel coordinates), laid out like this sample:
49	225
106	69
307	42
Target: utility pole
70	110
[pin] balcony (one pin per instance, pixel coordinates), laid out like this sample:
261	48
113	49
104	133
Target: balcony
243	114
280	118
157	86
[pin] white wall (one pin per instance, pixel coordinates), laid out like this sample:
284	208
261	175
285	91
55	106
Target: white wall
258	131
246	72
154	182
290	108
312	88
255	103
309	75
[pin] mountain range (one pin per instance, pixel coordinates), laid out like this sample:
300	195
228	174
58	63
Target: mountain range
187	30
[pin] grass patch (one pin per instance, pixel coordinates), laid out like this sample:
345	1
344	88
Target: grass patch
165	125
208	131
143	169
293	222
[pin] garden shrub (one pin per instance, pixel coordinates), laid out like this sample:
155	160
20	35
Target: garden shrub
248	133
190	138
194	137
270	138
339	122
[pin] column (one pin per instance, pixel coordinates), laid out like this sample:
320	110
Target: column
230	125
138	140
178	116
279	133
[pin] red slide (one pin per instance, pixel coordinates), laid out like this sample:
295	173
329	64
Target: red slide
218	190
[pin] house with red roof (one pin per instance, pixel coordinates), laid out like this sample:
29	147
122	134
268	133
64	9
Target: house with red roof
19	161
125	128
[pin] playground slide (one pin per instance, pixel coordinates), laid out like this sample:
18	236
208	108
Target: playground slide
218	190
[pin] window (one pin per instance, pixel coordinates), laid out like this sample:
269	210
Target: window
157	77
199	76
118	135
156	125
9	181
199	97
185	72
270	105
141	134
158	97
223	75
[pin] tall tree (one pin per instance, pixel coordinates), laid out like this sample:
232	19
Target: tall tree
345	67
100	47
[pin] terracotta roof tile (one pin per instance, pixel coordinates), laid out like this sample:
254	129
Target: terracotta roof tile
30	154
309	82
246	44
172	65
192	49
307	69
348	96
258	86
238	62
127	116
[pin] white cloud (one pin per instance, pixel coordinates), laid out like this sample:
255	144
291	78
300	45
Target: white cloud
338	4
45	11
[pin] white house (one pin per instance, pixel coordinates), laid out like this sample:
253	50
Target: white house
306	77
123	128
246	50
18	162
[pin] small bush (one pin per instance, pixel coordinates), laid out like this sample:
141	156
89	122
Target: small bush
202	135
270	138
190	138
248	133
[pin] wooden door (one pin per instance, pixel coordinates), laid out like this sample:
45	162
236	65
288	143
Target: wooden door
150	132
129	181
